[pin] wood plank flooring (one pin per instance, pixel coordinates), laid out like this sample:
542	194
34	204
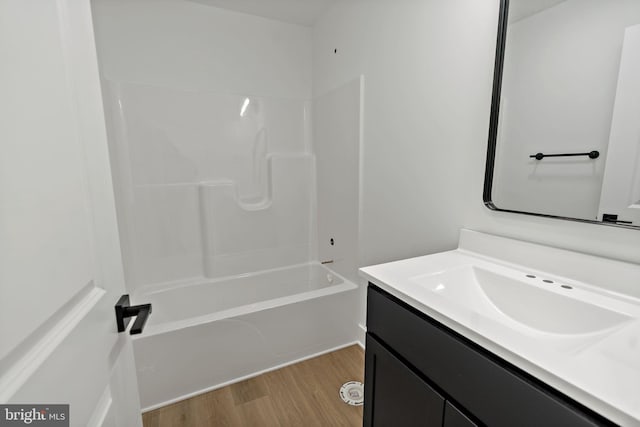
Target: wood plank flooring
304	394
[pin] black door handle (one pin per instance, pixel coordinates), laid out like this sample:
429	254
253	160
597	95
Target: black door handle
124	313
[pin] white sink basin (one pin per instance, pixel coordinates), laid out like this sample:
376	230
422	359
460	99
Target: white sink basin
510	294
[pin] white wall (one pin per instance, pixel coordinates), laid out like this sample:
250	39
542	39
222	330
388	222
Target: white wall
184	44
559	87
428	67
336	141
207	186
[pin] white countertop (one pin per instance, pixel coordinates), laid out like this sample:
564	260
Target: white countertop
600	370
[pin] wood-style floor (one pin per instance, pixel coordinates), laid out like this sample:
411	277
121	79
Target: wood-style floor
304	394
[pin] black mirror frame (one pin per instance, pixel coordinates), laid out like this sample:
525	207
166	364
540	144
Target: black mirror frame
493	129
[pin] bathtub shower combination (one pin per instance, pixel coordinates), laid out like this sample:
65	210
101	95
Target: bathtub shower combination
227	204
207	335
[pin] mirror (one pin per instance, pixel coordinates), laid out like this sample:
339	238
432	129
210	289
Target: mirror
565	120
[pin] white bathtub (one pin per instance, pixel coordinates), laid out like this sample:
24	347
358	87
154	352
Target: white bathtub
206	335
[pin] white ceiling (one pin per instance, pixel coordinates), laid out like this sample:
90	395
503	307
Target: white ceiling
520	9
306	12
302	12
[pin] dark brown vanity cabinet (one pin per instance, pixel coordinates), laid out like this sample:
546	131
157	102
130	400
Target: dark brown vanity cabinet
399	396
420	373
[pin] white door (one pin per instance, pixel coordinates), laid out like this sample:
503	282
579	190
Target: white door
621	181
60	265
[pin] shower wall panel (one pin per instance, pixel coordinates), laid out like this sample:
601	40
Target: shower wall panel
262	234
337	117
209	125
211	184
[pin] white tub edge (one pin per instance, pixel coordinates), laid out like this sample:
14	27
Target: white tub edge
247	377
245	309
154	288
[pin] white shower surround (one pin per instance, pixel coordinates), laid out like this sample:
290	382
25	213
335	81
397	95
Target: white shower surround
248	295
208	335
219	226
210	184
223	188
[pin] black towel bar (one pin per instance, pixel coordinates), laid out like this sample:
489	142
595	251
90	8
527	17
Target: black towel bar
592	155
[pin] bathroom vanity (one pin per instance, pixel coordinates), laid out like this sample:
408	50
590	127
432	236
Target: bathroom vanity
485	335
422	370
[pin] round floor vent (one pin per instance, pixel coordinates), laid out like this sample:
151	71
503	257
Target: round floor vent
352	393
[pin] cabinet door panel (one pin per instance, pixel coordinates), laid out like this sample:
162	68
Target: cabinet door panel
454	418
395	395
